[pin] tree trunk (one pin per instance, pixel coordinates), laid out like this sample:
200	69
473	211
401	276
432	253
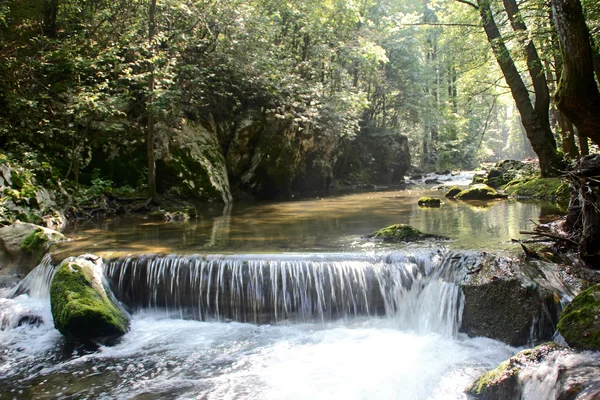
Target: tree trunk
149	109
534	65
538	133
577	95
568	136
50	14
583	145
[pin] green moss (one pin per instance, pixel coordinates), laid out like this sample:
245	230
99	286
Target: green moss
35	241
505	371
579	322
477	179
539	188
429	202
453	191
159	215
80	307
401	233
479	192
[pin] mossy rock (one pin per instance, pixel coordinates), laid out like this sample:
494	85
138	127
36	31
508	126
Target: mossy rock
401	233
579	322
479	192
429	202
503	382
554	189
453	192
81	307
38	240
478	179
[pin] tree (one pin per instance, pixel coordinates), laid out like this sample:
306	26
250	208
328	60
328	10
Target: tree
535	119
577	95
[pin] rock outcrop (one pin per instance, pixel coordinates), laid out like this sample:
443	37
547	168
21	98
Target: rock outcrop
22	246
82	309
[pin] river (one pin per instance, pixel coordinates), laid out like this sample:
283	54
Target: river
278	300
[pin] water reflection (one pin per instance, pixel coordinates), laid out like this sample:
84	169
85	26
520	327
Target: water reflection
321	224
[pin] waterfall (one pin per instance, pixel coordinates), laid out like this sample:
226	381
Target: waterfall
408	288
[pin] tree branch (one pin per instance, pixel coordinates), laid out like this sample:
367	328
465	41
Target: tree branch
475	6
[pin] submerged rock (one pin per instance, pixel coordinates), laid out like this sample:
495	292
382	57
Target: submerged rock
22	246
480	192
401	233
509	299
429	202
81	307
579	322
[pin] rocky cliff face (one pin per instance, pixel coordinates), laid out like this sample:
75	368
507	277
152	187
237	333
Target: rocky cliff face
262	155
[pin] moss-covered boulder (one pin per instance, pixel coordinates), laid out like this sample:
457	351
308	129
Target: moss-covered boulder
453	192
554	189
480	192
503	382
81	307
478	179
401	233
509	170
429	202
22	246
579	322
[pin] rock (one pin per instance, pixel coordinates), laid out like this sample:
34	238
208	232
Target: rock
508	300
429	202
169	216
477	179
195	163
81	307
416	177
401	233
433	181
579	323
548	371
22	246
453	192
554	189
503	382
508	170
480	192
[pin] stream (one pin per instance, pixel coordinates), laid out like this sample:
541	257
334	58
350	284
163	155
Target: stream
271	301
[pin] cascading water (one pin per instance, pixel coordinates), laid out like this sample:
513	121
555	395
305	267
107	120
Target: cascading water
299	288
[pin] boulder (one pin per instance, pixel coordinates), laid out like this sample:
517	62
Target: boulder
22	246
82	309
195	163
508	170
579	323
480	192
503	382
453	192
429	202
548	371
553	189
401	233
509	299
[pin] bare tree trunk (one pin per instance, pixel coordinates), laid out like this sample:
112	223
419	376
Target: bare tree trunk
538	132
149	109
577	95
583	145
568	136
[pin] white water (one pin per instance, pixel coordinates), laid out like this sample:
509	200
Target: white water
412	353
